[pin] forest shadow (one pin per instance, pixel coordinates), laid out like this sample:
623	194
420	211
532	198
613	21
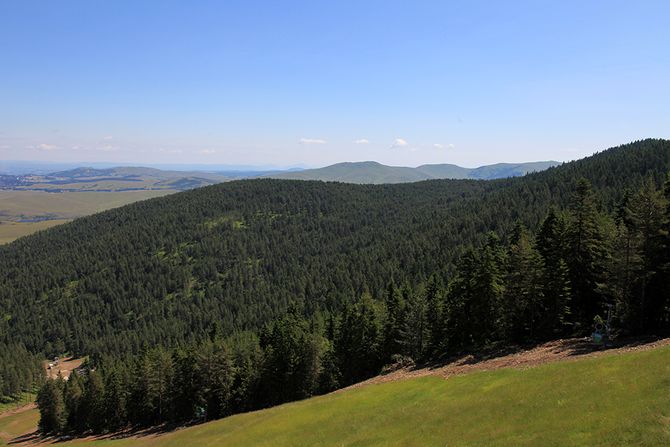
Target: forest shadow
556	349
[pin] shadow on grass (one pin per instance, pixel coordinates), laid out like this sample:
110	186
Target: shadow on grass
545	351
38	438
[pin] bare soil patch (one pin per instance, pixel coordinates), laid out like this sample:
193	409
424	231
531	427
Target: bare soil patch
517	357
64	367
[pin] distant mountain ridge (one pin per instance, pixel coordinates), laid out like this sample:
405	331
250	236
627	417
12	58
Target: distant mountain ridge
371	172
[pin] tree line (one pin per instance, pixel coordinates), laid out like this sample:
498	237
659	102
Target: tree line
523	287
20	371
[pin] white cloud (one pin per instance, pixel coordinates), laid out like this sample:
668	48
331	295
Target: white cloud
399	142
207	152
108	137
174	151
312	141
442	146
451	145
46	147
362	141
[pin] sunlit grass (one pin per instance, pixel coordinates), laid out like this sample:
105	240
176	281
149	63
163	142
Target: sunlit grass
611	400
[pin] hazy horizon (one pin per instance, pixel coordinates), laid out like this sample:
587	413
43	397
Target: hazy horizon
298	83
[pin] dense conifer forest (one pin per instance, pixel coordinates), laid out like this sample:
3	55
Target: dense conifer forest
252	293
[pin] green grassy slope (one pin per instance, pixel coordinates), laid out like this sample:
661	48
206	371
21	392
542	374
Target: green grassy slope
609	400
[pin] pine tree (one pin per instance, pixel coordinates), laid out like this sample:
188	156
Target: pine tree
74	390
92	408
357	344
524	303
435	318
186	392
52	407
216	379
114	401
651	213
552	246
587	258
474	298
414	327
395	314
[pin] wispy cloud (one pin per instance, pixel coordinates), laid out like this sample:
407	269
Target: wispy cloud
207	151
399	142
312	141
45	147
443	146
362	141
108	137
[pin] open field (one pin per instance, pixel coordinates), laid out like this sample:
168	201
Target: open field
616	398
26	212
10	231
64	367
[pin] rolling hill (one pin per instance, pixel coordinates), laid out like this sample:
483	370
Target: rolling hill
163	271
115	179
370	172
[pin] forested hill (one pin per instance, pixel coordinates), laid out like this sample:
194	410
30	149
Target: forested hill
370	172
234	255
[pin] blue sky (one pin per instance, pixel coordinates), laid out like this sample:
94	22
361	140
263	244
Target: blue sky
314	83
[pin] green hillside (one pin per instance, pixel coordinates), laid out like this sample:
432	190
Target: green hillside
163	271
609	400
370	172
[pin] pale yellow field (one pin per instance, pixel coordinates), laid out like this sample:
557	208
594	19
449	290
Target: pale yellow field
57	208
10	231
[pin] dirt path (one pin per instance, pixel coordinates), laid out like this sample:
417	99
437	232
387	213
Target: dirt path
566	349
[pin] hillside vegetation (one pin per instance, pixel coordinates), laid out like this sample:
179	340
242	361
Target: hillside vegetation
603	401
234	255
370	172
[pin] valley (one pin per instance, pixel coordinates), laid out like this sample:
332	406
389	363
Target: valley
23	212
334	224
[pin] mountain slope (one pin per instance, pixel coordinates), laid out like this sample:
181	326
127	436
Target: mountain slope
613	399
370	172
163	271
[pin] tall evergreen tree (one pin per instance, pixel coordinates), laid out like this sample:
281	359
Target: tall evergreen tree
74	390
114	402
524	306
52	407
414	329
92	406
395	315
435	318
650	211
587	257
552	246
357	345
